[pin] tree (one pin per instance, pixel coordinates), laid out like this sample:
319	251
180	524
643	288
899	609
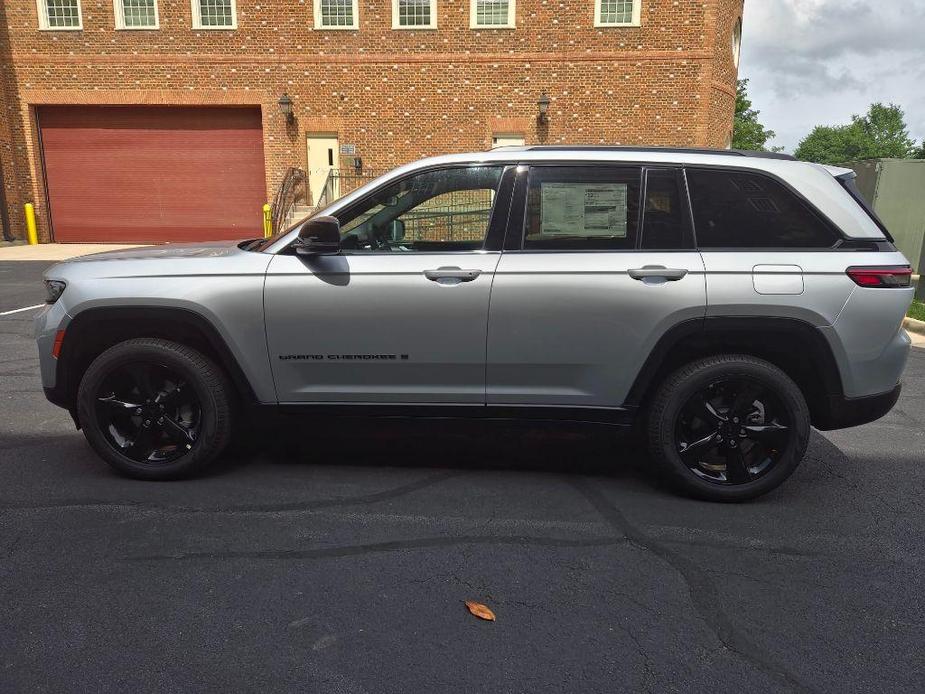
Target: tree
920	152
881	133
747	131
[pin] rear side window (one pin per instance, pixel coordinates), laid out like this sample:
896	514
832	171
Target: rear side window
582	208
735	209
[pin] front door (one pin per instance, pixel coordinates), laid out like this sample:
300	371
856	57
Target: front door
400	315
589	285
323	152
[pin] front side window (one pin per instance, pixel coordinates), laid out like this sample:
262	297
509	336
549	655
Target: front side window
444	210
582	208
488	14
136	14
737	209
214	14
414	14
617	13
59	14
336	14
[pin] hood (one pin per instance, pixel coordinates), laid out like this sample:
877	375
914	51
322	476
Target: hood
209	249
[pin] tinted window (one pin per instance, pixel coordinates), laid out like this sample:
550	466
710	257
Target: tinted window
442	210
582	208
665	220
735	209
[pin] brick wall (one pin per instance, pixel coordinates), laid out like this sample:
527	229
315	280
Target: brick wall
395	94
9	110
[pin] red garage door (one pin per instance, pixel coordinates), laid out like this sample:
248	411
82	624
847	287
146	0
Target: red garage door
142	174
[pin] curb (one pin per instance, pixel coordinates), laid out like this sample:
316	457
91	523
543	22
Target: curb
914	326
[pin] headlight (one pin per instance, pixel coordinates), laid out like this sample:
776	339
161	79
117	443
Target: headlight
53	290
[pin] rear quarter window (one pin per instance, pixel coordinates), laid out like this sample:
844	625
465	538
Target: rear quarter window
736	209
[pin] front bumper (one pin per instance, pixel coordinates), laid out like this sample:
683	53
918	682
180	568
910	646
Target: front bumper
844	413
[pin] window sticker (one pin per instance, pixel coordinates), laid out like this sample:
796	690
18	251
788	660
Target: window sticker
584	209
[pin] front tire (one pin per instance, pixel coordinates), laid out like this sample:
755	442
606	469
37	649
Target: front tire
155	409
728	428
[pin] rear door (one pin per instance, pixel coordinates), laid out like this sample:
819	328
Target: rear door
598	265
767	252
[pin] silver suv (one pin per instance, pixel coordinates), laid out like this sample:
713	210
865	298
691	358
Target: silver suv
724	301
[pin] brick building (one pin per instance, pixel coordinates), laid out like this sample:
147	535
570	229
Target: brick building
144	120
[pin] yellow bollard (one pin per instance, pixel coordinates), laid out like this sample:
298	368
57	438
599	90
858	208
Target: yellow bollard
267	221
31	234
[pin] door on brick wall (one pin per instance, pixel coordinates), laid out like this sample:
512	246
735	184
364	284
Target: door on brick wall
323	151
151	174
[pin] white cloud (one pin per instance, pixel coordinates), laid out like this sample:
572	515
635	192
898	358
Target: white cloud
814	62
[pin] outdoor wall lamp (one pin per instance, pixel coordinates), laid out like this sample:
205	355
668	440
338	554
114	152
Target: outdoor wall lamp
543	106
285	105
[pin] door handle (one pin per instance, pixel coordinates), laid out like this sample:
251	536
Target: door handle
657	272
451	273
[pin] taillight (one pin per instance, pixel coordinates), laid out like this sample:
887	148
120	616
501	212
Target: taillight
892	277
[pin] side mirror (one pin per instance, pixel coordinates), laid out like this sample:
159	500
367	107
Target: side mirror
319	236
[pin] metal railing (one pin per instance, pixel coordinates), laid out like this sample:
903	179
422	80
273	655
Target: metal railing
339	182
460	215
292	191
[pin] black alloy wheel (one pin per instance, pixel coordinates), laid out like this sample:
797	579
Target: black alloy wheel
148	413
733	431
155	409
729	427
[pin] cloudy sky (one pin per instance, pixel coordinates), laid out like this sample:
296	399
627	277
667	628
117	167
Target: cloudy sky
816	62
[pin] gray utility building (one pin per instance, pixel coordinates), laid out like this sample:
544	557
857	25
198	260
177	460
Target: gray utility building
895	189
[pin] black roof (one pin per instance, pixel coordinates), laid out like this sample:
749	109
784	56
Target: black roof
665	150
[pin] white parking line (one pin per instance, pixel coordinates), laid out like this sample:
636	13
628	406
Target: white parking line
20	310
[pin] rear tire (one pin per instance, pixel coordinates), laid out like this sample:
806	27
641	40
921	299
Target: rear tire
155	409
727	428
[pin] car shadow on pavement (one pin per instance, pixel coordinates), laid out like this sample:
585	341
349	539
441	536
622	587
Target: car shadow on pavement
458	444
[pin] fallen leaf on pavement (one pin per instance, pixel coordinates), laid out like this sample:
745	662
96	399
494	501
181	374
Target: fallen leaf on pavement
480	610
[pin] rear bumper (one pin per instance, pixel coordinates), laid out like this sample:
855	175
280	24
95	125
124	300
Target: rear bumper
56	397
851	412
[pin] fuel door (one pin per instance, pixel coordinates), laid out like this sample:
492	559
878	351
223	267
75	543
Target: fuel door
778	279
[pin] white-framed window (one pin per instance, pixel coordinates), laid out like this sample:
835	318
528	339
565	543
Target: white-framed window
507	140
491	14
617	13
214	14
337	14
414	14
136	14
59	15
737	42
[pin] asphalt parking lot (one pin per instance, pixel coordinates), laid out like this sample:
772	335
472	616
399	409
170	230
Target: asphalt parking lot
338	561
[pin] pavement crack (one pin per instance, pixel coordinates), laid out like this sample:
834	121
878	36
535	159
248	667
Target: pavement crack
650	676
701	589
378	548
296	506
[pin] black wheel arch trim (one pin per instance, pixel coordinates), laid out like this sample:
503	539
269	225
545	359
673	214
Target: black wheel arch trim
712	329
66	380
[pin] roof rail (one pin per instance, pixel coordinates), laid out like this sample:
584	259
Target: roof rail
664	150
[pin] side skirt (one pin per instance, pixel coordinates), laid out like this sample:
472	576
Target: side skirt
613	417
